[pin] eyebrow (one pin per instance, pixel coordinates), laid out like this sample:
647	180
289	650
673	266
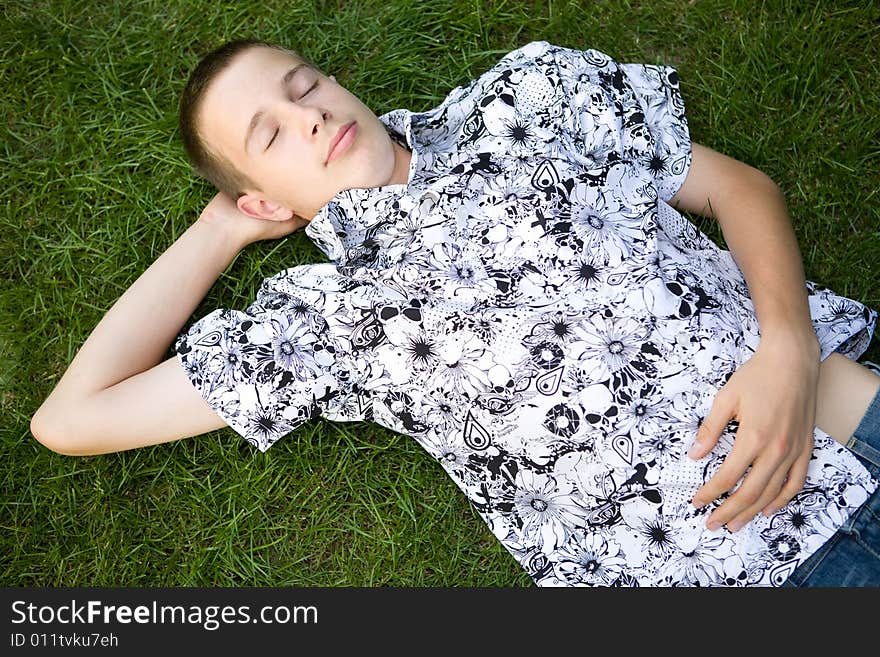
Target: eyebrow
260	114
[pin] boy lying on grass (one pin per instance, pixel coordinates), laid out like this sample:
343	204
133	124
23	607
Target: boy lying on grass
511	284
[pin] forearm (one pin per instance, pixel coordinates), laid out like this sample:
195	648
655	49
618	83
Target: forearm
757	228
136	332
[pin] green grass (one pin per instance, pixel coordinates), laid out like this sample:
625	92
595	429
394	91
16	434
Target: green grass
95	186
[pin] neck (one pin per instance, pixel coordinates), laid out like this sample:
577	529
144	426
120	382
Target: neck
402	159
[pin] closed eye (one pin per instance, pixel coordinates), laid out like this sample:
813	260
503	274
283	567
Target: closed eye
310	89
277	130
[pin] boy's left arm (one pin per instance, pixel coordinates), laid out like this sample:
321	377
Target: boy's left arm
773	394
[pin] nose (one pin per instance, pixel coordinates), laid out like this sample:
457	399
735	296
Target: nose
307	121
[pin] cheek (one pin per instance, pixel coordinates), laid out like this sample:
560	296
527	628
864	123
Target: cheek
290	162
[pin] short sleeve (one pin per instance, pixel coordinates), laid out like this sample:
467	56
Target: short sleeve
657	131
633	112
264	371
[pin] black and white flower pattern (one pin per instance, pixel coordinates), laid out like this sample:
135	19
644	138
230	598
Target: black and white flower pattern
532	311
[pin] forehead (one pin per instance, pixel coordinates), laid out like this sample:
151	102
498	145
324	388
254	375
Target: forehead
238	92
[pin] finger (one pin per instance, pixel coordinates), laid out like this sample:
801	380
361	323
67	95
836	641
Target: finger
797	477
286	227
749	492
774	486
730	472
713	425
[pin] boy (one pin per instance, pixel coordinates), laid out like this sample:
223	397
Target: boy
511	287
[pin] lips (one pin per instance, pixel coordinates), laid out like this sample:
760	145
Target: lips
341	140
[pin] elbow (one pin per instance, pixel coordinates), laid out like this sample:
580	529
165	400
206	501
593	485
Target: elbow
760	180
48	428
751	185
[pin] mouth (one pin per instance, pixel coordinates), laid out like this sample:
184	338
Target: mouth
341	141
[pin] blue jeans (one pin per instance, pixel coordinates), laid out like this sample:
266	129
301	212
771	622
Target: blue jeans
852	556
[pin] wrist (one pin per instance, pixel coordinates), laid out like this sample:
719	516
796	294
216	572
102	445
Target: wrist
794	340
221	233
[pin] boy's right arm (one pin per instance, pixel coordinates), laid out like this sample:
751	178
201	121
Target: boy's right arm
116	394
156	406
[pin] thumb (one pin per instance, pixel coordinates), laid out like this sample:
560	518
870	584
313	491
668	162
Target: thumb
712	426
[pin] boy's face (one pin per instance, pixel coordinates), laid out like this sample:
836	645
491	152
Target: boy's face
298	117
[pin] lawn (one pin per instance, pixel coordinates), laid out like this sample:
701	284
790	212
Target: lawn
95	186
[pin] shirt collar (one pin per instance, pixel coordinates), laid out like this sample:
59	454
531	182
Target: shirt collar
341	221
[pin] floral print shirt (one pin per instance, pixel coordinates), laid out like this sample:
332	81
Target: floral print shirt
532	311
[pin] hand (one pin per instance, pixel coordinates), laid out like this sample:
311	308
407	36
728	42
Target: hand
773	396
223	213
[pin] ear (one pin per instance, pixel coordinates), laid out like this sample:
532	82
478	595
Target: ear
258	207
